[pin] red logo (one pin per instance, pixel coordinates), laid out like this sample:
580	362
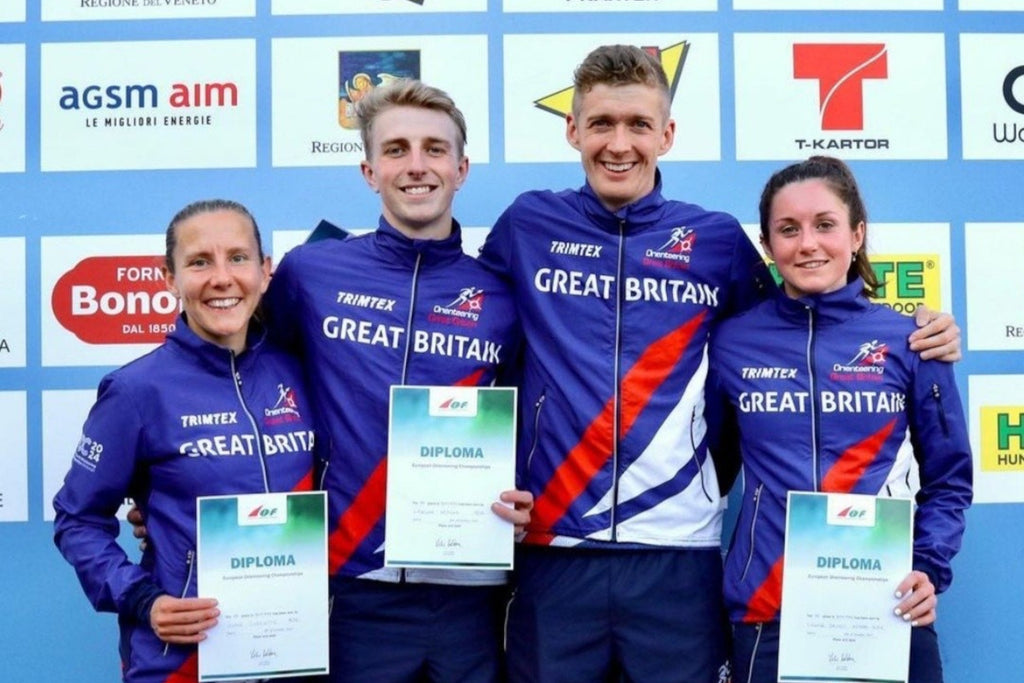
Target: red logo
115	300
840	70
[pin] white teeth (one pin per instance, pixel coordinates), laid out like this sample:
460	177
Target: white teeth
419	189
222	303
618	167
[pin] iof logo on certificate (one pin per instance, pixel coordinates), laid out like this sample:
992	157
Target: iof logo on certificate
844	556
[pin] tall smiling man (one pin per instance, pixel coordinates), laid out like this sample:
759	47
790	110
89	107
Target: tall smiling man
618	289
359	312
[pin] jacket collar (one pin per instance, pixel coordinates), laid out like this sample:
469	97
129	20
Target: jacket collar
404	250
830	308
216	358
643	212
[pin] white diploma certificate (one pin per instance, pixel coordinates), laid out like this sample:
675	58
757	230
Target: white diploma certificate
263	557
451	452
845	555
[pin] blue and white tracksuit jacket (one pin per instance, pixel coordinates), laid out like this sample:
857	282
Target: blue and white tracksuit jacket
372	311
827	396
616	310
188	419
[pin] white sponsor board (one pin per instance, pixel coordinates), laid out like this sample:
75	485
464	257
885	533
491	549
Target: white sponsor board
93	10
148	105
12	10
992	95
995	280
316	81
998	449
64	413
605	6
844	5
12	303
98	294
855	95
12	108
538	81
13	457
375	6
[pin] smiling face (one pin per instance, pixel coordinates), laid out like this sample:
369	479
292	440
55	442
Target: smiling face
218	275
810	238
620	131
414	161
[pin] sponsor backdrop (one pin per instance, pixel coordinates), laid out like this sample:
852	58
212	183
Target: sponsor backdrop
115	113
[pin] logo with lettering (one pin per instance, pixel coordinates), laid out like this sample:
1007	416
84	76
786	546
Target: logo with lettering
672	60
452	402
870	353
866	364
88	453
462	311
1011	131
908	281
840	69
1002	438
286	409
359	72
262	509
134	105
115	300
675	252
850	510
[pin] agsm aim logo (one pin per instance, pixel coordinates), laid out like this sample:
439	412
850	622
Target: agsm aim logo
136	96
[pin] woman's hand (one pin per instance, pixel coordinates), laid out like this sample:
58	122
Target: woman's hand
182	621
918	599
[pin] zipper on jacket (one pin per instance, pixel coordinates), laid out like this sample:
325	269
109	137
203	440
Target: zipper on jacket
753	524
252	421
815	417
408	344
189	565
617	398
937	395
700	464
408	322
753	652
538	406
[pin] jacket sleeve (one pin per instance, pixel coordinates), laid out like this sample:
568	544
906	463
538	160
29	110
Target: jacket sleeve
943	453
86	527
749	279
723	428
496	253
281	305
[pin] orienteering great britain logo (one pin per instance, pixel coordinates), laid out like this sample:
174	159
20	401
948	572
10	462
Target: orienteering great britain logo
867	363
676	252
286	408
462	311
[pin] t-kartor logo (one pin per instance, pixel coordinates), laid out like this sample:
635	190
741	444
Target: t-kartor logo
840	69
